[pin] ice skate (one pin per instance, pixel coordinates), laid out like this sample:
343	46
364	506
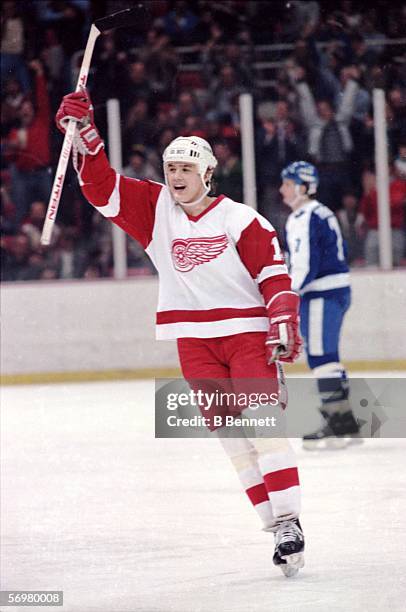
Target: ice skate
339	430
350	428
328	436
289	547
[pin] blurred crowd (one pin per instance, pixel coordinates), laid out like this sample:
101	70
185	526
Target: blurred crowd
181	71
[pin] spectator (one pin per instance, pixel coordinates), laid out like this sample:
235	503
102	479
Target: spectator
138	165
213	127
54	59
224	89
186	106
92	271
371	34
48	274
144	65
180	22
29	148
360	54
396	116
16	262
329	137
69	260
210	49
400	161
34	222
303	18
369	208
8	213
111	69
228	174
232	54
135	86
192	126
70	27
277	147
12	45
166	136
202	32
11	103
353	227
362	101
139	127
160	63
351	14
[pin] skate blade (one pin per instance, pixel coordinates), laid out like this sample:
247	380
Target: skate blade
333	443
325	444
293	564
354	440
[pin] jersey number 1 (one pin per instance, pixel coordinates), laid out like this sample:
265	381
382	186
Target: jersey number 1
333	225
278	255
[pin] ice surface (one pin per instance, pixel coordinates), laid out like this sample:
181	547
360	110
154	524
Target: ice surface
93	505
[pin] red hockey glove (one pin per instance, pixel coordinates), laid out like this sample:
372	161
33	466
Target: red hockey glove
283	342
78	106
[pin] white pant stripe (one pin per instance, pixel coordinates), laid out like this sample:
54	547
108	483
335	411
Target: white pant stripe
316	326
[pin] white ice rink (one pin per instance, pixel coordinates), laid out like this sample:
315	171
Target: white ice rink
93	505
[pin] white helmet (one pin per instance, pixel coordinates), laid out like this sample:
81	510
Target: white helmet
191	150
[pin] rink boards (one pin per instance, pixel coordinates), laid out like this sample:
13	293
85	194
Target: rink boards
104	330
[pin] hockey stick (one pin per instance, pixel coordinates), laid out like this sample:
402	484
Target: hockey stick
116	20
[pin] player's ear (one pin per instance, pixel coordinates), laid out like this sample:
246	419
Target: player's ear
303	189
208	176
208	179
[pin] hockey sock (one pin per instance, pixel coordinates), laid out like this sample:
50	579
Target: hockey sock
277	464
243	456
332	383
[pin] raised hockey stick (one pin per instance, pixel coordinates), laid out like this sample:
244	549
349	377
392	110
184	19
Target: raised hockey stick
116	20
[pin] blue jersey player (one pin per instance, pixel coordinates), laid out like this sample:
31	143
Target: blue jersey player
319	271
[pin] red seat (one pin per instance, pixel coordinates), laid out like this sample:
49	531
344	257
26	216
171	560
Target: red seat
189	80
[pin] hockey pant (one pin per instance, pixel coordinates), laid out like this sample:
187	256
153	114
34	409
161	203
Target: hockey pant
321	319
266	467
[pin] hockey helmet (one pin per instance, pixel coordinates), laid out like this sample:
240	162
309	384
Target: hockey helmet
191	150
302	173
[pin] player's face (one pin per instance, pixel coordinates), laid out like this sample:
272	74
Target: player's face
184	182
288	191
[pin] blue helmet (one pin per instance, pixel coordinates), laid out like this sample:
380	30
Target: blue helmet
302	173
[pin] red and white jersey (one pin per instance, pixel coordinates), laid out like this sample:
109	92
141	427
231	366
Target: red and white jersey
217	271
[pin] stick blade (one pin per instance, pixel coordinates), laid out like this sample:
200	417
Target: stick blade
136	16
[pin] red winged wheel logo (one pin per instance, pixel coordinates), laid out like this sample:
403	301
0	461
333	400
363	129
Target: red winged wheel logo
190	252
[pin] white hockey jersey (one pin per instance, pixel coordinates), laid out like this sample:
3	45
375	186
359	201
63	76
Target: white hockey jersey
317	251
217	270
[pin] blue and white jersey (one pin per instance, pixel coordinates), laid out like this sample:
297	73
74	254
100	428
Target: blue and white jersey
317	252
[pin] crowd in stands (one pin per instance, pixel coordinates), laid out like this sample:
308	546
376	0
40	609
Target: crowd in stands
312	97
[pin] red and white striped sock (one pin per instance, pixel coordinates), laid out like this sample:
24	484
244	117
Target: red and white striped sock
278	467
244	459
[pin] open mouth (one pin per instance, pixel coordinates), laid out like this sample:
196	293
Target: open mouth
179	188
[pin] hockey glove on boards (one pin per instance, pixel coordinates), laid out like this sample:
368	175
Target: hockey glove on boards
79	107
283	342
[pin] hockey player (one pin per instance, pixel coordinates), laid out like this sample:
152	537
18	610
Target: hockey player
319	274
225	295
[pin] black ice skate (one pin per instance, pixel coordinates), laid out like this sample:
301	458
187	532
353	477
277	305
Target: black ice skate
350	428
289	547
328	435
338	431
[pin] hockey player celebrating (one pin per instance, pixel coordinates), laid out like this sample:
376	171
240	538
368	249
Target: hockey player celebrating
320	275
225	295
